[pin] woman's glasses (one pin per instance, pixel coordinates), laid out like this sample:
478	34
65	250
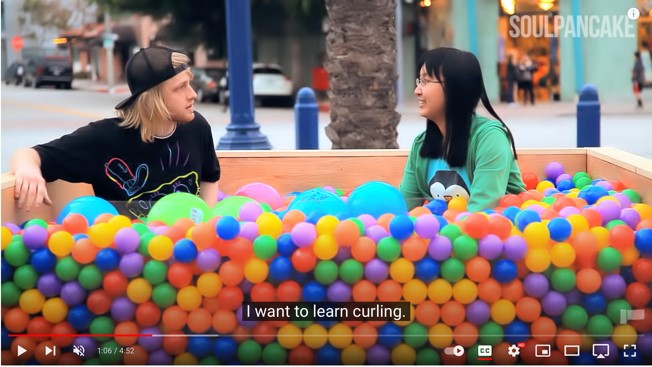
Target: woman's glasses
424	82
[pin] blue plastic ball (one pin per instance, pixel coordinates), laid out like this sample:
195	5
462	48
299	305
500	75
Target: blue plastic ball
427	269
643	241
328	355
43	261
390	335
80	317
88	206
592	193
437	207
560	229
565	185
401	227
516	331
225	349
313	292
280	269
6	340
376	198
185	250
285	245
594	303
526	217
79	236
510	213
200	346
504	271
7	271
227	227
107	259
584	359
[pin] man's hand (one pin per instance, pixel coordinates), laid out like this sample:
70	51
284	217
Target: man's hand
29	189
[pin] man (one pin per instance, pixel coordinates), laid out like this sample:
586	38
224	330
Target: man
158	144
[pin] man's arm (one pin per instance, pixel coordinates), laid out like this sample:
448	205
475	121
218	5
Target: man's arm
208	192
30	187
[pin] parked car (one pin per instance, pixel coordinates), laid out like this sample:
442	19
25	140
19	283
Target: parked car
15	73
204	85
270	84
52	70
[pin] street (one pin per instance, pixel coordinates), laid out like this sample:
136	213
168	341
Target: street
32	116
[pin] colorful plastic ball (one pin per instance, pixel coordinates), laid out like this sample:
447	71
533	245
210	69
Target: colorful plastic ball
31	301
440	248
388	249
338	291
265	247
131	265
426	269
256	271
160	248
270	224
478	312
208	260
465	247
249	352
643	241
79	317
613	286
525	217
72	293
465	291
503	312
274	354
415	291
563	280
55	310
516	331
554	170
42	260
562	255
390	335
48	284
325	247
139	290
553	303
366	199
426	226
537	260
328	355
401	227
377	355
313	292
593	193
515	247
594	303
35	237
227	228
107	259
7	271
560	229
280	269
575	318
609	259
452	270
490	247
185	251
504	271
126	240
90	207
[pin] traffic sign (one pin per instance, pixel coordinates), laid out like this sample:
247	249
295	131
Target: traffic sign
17	43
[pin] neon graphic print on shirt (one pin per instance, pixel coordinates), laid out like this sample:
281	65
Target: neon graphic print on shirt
446	183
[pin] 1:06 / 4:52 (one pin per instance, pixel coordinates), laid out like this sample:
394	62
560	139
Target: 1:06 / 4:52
106	350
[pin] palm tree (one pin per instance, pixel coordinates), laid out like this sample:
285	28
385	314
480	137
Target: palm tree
361	62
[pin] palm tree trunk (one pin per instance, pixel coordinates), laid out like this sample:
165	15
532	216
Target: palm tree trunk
361	63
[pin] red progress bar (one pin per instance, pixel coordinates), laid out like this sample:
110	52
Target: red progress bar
484	359
75	335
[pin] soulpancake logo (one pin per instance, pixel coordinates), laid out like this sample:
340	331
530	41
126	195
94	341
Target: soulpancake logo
580	26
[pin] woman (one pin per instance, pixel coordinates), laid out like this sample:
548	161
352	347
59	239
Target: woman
461	154
638	78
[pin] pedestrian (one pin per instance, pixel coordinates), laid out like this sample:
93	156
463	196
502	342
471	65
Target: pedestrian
157	145
460	154
638	78
20	74
511	79
526	68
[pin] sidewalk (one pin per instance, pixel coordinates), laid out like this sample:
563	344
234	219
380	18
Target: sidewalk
100	87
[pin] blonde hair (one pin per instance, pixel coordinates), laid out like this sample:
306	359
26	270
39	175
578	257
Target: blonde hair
149	107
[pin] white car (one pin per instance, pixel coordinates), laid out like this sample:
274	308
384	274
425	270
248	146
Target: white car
269	84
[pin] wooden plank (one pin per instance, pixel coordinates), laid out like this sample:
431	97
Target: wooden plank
635	172
626	160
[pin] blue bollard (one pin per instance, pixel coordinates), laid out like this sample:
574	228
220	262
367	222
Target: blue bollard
588	117
306	118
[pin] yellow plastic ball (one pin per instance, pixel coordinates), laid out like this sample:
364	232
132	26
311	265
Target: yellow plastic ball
209	284
544	185
160	248
185	359
61	243
139	291
440	336
624	334
401	270
562	255
6	237
537	235
353	355
440	291
119	221
458	204
537	260
503	312
326	224
55	310
315	336
578	224
189	298
630	255
101	234
465	291
289	336
602	235
403	354
269	224
413	313
605	198
31	301
340	336
325	247
573	193
415	291
644	211
256	270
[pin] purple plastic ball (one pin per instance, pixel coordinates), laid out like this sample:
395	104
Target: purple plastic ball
122	309
303	234
49	285
515	248
208	260
338	292
490	247
622	199
242	322
343	254
149	343
35	237
131	265
537	208
536	285
573	297
367	220
630	217
160	230
562	177
569	210
246	286
12	227
89	344
644	344
478	313
376	271
249	230
376	233
554	303
613	286
426	226
440	248
554	170
159	358
126	240
72	293
609	210
250	211
605	185
378	355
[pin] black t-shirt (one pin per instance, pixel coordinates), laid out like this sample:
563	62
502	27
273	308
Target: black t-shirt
128	172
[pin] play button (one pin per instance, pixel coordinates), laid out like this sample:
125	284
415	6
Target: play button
20	351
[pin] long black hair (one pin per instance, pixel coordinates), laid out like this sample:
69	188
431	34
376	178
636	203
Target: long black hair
463	89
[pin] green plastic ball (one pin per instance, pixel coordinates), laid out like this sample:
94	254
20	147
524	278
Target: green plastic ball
265	247
388	249
351	271
111	358
155	272
428	357
615	308
16	254
249	352
90	277
452	270
415	335
465	247
164	295
491	333
326	272
609	259
451	231
25	277
36	222
102	325
600	326
575	318
274	354
67	269
633	196
563	280
10	294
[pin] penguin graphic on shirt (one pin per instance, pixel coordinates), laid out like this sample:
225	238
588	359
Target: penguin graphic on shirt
446	185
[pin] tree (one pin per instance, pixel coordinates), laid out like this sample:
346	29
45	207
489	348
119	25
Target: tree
361	62
38	17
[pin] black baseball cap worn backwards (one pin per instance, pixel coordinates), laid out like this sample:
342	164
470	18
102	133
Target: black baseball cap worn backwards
148	68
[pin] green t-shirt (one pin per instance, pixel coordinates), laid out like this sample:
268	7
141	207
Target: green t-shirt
490	166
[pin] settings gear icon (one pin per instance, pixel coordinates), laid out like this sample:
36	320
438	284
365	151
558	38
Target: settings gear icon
513	350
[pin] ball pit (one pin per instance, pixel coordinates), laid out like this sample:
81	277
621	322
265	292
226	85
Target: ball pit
563	259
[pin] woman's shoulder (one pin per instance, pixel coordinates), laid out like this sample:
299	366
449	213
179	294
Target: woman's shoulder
482	124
